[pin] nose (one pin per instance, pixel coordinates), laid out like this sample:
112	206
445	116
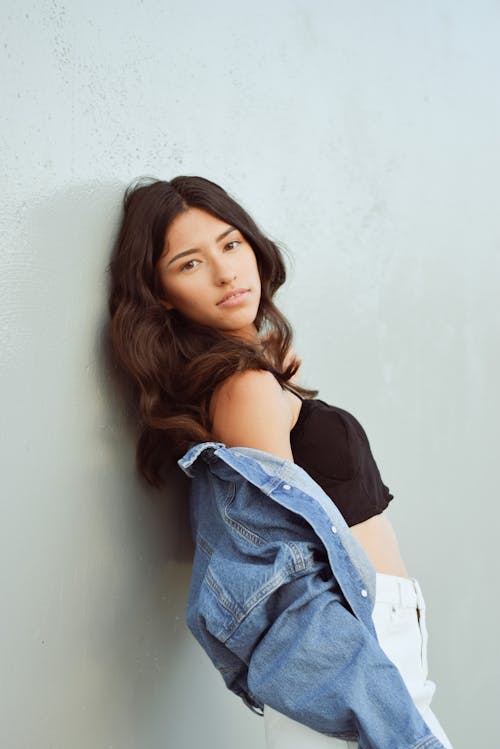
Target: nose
227	277
224	274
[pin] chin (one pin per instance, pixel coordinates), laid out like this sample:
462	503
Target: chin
246	332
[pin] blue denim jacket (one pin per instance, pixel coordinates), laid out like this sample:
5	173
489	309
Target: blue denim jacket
281	598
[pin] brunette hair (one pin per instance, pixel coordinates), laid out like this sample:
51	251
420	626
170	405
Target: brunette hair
172	364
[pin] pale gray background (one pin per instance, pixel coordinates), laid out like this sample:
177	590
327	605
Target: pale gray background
365	136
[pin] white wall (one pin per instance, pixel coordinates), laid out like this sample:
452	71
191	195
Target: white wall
363	135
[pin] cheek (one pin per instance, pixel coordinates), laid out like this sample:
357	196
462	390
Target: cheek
192	297
257	274
252	265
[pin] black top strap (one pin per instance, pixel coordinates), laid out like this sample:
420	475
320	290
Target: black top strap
289	387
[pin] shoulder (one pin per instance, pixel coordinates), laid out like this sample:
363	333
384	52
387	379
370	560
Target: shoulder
250	409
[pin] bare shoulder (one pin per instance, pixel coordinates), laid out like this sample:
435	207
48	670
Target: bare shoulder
250	409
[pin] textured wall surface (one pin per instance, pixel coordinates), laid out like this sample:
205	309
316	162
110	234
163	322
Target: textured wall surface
365	137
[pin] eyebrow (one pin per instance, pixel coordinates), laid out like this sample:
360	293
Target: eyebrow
190	252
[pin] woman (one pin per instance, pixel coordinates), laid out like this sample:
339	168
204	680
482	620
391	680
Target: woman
210	359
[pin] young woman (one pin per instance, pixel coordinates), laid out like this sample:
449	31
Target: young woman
210	360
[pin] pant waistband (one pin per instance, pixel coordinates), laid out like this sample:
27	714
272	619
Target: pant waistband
400	591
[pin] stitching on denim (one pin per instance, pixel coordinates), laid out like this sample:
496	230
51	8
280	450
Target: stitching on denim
266	591
258	597
249	535
204	545
299	561
239	612
430	742
222	599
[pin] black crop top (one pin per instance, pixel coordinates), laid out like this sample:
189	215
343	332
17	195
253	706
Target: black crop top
332	446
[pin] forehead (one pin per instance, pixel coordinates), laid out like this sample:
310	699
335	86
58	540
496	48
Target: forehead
192	228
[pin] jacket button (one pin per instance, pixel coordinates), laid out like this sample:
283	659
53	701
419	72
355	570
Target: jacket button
334	530
364	593
286	486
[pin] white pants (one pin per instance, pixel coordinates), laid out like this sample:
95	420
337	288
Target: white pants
400	623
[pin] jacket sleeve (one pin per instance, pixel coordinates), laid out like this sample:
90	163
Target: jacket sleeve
310	658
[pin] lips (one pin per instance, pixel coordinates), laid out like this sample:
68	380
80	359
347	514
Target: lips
232	293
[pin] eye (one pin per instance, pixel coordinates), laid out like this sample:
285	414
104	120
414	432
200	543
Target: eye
235	241
186	264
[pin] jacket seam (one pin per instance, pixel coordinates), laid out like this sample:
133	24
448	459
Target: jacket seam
257	539
204	545
427	741
249	535
222	599
283	577
244	531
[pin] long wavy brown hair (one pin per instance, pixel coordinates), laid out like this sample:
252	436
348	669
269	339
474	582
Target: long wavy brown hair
170	363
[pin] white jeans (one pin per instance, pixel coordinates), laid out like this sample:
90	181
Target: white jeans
400	623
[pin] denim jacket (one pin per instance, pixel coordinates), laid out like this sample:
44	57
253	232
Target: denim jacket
281	598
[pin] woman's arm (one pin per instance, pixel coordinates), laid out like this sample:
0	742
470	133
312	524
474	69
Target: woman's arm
250	409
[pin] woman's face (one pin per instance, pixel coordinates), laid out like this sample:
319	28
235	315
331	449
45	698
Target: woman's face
204	259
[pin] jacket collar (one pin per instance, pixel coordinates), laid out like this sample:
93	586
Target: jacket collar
193	454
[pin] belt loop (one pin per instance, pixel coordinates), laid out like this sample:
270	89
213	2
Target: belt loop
400	594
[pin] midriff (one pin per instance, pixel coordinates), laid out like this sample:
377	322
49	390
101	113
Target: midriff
376	535
378	539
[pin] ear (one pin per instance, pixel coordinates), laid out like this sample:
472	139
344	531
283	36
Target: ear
166	304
